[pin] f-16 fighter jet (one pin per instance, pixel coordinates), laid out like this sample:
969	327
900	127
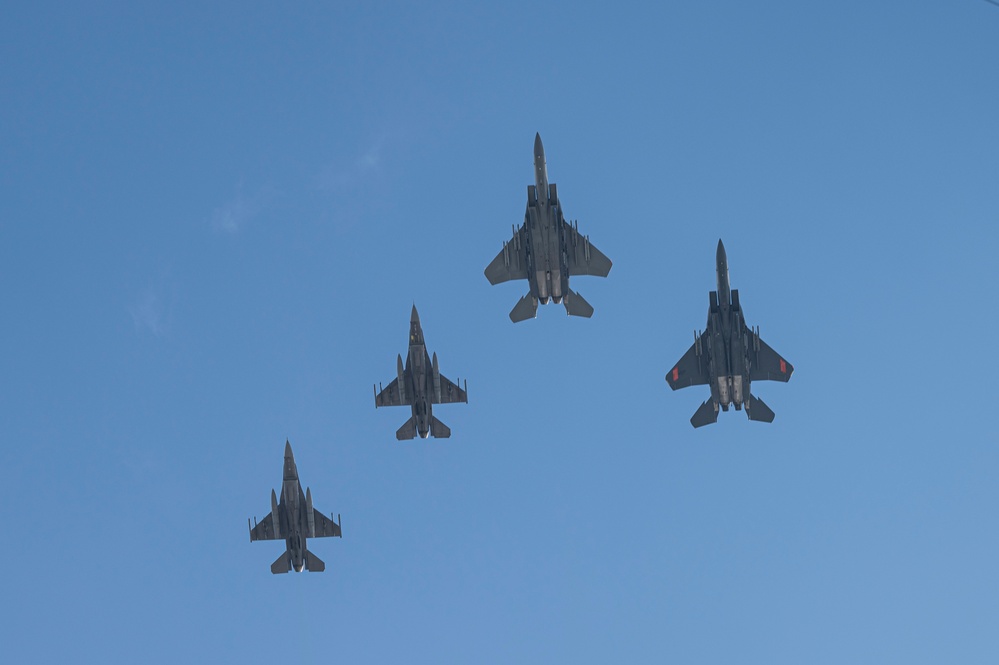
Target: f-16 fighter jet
546	250
294	519
728	355
420	385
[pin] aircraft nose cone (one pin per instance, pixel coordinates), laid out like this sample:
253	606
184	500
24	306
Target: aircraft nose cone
415	316
287	449
721	251
539	148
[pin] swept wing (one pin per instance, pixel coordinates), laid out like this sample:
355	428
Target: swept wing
582	257
264	529
511	262
389	396
765	364
450	392
325	526
692	368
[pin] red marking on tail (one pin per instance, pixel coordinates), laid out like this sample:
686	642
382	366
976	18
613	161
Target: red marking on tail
676	373
783	366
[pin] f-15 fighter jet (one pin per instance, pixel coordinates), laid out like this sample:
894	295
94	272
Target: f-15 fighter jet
294	519
728	355
421	385
546	250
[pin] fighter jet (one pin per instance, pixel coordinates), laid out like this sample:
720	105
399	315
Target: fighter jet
728	355
546	250
420	385
294	519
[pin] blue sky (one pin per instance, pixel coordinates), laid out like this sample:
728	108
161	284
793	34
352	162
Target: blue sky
214	223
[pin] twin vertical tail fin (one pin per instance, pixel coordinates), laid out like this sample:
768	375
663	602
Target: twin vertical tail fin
706	414
758	410
526	308
575	305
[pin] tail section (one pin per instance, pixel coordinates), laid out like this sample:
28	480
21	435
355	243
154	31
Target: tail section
282	565
407	431
757	410
706	414
526	308
313	563
439	430
575	305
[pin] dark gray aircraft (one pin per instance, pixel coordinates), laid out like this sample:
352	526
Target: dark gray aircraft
728	355
420	385
546	250
294	519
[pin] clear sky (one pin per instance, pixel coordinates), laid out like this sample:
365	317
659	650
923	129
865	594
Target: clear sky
215	219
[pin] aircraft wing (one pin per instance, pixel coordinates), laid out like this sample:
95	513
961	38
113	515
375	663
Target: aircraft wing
767	365
264	530
390	396
450	392
583	258
691	369
325	526
511	262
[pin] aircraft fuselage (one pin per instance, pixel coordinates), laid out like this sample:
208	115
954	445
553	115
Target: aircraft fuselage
548	274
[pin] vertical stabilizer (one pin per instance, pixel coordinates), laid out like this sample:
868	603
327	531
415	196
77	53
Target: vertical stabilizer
438	429
526	308
758	410
313	563
575	305
407	431
706	414
282	565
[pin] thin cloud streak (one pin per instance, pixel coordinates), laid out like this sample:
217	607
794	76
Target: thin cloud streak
149	313
234	215
345	179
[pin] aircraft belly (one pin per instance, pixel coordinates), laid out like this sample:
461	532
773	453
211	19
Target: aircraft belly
723	392
543	290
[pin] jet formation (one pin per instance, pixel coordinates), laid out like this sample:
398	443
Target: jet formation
728	356
546	250
294	519
420	385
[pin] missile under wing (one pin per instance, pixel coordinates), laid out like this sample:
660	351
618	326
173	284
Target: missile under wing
420	384
294	520
728	356
546	250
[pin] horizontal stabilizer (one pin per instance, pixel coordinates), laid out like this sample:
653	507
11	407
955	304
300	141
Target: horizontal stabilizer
282	565
407	431
439	430
314	563
526	308
575	305
757	410
705	415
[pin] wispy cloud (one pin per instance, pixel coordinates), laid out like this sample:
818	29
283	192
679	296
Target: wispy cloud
150	314
239	210
340	179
